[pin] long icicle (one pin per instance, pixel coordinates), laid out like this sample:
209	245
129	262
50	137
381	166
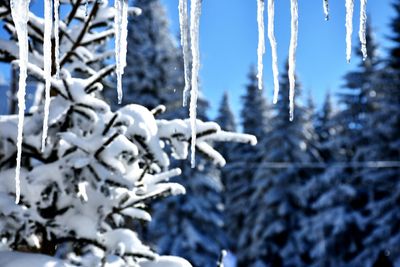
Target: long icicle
349	27
272	41
363	26
195	12
183	22
292	54
56	36
20	14
325	5
48	23
120	27
261	41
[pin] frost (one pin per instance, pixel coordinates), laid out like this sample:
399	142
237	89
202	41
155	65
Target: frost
261	41
48	23
349	27
20	14
56	36
121	33
183	22
272	41
195	13
363	26
325	4
292	53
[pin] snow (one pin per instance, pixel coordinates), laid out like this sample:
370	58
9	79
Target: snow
272	41
166	261
325	4
47	63
195	13
121	33
292	54
183	22
363	26
20	14
349	27
261	41
56	36
19	259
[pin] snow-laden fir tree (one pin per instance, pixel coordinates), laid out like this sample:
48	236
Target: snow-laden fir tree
382	143
239	172
338	224
153	74
277	207
99	169
191	225
226	120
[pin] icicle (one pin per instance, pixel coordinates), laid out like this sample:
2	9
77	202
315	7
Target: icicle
349	27
48	23
292	53
20	14
325	4
121	33
56	36
183	22
195	12
363	26
272	41
261	41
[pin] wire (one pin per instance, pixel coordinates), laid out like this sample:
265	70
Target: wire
317	165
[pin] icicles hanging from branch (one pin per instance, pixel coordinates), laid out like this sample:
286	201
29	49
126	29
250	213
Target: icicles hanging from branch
261	41
121	33
363	26
195	12
20	15
272	41
325	4
56	36
292	53
349	27
183	22
48	24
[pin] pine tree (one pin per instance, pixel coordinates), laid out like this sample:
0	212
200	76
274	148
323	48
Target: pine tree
153	75
240	169
382	143
277	207
339	224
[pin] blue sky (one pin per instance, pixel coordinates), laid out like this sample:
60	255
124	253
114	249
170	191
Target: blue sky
228	44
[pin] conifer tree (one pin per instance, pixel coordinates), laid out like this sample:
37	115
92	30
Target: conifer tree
276	204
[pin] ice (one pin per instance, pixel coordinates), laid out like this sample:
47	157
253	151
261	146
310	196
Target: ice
195	13
325	4
20	14
349	27
56	36
292	53
272	41
261	41
121	33
48	24
363	26
183	22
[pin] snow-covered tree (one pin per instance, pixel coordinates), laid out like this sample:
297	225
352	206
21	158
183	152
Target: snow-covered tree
99	169
276	203
338	226
154	74
239	171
